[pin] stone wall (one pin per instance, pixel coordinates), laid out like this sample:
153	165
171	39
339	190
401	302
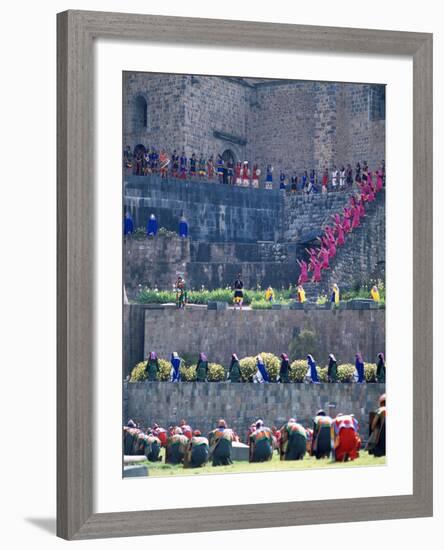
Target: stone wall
220	333
241	404
293	125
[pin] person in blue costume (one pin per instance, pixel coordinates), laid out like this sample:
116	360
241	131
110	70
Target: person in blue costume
312	373
183	166
261	375
359	364
183	227
128	225
152	226
175	367
282	181
269	178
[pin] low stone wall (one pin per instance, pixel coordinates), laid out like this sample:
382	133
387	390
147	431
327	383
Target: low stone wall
220	333
240	404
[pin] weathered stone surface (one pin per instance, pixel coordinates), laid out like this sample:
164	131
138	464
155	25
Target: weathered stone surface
135	471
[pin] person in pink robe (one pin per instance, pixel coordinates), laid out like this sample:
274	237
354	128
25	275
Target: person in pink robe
324	256
303	276
340	231
356	217
379	181
346	224
316	271
361	207
332	249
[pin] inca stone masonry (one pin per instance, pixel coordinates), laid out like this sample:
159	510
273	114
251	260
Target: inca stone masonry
293	125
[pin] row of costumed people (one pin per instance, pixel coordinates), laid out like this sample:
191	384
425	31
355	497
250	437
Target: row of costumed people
262	375
337	438
152	226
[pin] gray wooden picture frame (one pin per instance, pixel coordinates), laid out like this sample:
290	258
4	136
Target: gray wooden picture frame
76	32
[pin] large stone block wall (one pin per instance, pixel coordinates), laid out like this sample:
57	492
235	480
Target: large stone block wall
220	333
294	125
241	404
215	212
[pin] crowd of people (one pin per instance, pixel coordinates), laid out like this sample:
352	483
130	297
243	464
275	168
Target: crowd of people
150	160
262	376
334	237
336	437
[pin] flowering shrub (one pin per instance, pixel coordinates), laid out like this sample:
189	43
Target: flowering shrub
216	372
138	374
346	372
247	368
370	372
298	370
188	374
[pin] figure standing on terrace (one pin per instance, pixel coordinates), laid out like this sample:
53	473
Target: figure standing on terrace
360	372
183	166
325	181
358	173
237	173
269	177
245	174
261	376
210	168
193	165
312	373
152	226
334	298
175	164
301	294
332	369
234	372
238	287
220	168
183	227
334	178
380	368
128	157
175	367
152	367
255	176
349	176
230	172
201	168
284	371
202	368
282	185
342	176
269	294
128	225
164	163
181	293
303	276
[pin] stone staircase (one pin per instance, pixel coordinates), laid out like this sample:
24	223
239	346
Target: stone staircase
364	248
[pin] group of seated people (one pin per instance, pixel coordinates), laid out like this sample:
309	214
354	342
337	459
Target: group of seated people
262	376
336	437
150	160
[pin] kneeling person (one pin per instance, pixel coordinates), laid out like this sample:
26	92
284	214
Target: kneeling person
293	443
176	447
221	442
198	451
262	443
321	446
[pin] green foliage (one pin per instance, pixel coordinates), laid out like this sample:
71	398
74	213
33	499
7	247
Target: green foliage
272	364
322	374
139	233
247	368
346	372
304	343
322	299
370	372
164	232
188	374
261	304
298	370
216	372
138	373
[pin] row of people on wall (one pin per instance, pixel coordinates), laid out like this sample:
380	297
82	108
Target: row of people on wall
336	438
243	173
262	376
152	226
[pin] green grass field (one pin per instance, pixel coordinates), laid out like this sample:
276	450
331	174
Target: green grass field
157	469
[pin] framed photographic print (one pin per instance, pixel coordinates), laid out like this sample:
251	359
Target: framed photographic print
244	219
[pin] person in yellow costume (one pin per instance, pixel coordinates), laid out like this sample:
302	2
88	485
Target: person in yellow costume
335	294
269	294
375	293
301	294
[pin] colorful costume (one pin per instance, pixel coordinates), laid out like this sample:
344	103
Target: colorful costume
181	294
376	441
374	292
128	226
175	367
284	371
152	226
346	439
245	175
152	367
261	445
261	375
176	447
221	440
321	444
293	444
198	451
269	178
301	294
312	373
238	287
183	228
193	163
237	173
256	174
269	294
183	163
380	369
332	370
149	445
335	294
202	368
359	365
234	371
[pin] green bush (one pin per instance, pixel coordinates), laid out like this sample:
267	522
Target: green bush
188	374
138	373
261	304
216	372
322	374
248	368
139	233
346	372
370	372
298	370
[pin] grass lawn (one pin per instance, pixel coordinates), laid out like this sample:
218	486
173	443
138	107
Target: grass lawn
157	469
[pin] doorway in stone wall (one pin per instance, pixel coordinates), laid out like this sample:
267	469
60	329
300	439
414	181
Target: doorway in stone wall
228	156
